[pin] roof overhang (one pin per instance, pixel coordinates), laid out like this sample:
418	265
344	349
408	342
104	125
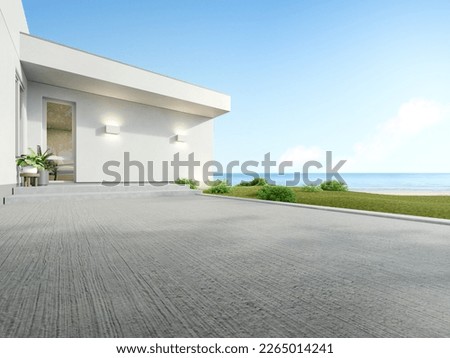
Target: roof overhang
53	64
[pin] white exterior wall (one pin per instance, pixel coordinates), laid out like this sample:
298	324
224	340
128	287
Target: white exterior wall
146	132
12	21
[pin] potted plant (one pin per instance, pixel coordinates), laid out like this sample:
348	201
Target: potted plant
30	163
33	162
46	164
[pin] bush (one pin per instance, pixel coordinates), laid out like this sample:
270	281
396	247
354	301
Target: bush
217	182
254	182
219	187
277	193
333	185
311	188
244	183
193	184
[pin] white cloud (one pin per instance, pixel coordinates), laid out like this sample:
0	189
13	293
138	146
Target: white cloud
299	155
373	154
413	118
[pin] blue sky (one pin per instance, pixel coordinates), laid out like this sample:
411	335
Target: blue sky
368	80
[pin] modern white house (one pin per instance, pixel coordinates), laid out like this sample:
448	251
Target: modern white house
90	110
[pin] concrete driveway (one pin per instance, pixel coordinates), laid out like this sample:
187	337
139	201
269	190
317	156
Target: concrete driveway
211	267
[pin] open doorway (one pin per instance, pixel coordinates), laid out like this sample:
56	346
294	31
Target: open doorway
60	138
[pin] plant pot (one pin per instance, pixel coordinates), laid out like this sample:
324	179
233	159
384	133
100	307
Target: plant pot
43	177
29	170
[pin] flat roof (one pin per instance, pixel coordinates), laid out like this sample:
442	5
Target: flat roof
58	65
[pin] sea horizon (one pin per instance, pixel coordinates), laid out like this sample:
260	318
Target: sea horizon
374	182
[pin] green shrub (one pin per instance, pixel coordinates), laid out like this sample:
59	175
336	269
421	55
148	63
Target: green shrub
219	187
311	188
254	182
277	193
217	182
333	185
193	184
244	183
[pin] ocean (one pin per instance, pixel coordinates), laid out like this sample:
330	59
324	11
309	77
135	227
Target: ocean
371	182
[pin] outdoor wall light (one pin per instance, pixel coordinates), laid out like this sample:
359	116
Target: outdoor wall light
180	138
112	129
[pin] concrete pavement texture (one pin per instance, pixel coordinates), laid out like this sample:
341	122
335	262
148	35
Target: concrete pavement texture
197	266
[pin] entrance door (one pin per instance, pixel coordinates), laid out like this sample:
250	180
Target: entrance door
60	138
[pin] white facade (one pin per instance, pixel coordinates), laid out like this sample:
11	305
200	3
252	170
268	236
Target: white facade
146	132
12	22
148	110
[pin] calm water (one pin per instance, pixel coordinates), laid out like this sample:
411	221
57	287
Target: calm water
368	181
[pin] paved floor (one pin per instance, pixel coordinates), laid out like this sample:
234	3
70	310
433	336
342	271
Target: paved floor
211	267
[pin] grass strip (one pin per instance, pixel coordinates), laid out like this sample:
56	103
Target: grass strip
428	206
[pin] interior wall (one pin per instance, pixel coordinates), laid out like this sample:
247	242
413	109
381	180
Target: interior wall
59	117
147	133
60	143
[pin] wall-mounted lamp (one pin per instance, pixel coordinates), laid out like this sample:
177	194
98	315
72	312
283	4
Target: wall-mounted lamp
112	129
180	138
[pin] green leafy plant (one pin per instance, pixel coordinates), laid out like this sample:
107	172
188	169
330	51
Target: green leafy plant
254	182
219	187
193	184
38	160
333	185
218	181
51	166
44	158
311	188
277	193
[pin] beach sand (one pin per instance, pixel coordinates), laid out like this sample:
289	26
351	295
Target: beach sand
406	192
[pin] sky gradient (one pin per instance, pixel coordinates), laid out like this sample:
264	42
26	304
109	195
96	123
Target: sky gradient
368	80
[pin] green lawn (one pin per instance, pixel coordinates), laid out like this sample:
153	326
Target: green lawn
431	206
